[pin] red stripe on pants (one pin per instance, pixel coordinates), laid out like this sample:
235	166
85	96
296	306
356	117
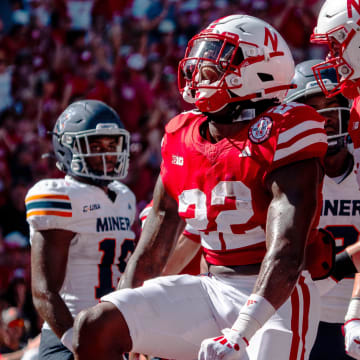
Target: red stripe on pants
306	310
295	317
295	305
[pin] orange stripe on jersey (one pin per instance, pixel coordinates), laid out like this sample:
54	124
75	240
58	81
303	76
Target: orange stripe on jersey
47	196
49	212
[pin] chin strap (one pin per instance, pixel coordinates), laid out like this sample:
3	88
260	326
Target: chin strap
223	96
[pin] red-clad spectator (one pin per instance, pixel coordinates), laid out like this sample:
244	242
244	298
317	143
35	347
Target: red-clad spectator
132	93
84	83
111	9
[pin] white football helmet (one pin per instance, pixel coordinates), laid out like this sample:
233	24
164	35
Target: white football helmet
236	58
338	27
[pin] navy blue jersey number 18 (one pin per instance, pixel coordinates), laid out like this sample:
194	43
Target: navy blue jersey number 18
107	246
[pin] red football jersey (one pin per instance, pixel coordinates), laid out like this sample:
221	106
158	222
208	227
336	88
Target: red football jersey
220	188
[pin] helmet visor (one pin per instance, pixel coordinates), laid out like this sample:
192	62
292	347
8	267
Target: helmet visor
214	54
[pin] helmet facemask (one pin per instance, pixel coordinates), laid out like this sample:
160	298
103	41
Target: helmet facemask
337	41
79	144
210	68
340	138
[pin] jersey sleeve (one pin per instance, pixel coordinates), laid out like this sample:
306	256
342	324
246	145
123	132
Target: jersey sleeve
301	135
49	206
144	213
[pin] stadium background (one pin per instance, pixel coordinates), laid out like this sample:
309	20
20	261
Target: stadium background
123	52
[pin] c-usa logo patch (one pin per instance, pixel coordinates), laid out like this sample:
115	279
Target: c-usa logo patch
260	131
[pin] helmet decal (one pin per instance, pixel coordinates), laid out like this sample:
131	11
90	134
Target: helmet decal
273	39
356	6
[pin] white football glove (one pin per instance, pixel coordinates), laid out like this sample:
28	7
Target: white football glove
230	346
352	338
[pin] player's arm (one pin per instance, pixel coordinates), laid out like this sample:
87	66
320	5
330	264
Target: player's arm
351	326
184	252
49	254
290	216
157	239
294	191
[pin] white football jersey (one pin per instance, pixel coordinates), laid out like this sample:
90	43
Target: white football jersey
340	215
104	239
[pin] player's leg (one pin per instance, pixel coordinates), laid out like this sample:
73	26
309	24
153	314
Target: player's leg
168	317
51	347
291	332
96	333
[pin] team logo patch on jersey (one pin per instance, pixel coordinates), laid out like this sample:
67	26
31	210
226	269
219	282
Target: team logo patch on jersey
177	160
91	207
260	131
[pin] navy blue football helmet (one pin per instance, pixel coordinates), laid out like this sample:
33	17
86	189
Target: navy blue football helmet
307	86
72	134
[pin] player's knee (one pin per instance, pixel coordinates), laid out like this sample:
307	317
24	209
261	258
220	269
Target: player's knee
104	319
85	330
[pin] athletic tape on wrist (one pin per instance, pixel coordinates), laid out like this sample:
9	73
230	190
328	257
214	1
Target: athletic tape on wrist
66	339
353	310
253	315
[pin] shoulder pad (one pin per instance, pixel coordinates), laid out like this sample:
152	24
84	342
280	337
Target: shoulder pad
119	187
294	112
181	120
52	186
283	109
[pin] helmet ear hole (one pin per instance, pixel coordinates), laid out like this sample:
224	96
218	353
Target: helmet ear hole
265	77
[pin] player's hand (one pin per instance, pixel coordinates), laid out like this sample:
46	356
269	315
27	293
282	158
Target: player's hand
352	338
230	346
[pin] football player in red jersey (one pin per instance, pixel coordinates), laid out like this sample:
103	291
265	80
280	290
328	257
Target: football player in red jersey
338	27
246	172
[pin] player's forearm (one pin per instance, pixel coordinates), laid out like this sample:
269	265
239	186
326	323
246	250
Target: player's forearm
353	311
54	311
356	288
152	251
279	273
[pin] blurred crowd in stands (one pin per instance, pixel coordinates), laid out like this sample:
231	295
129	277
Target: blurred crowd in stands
123	52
